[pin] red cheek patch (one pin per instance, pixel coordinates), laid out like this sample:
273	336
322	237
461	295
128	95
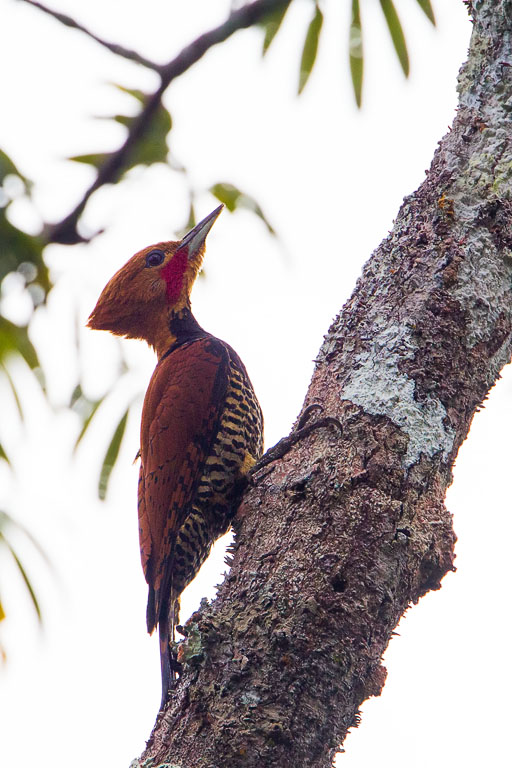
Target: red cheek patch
173	273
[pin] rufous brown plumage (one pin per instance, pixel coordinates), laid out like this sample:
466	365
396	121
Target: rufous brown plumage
201	429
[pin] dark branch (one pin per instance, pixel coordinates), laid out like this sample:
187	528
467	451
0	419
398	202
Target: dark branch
119	50
66	230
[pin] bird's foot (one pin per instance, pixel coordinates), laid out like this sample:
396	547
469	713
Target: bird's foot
302	430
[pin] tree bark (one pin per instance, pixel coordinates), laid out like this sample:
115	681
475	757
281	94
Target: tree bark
338	538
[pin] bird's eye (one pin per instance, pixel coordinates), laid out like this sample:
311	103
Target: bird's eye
154	258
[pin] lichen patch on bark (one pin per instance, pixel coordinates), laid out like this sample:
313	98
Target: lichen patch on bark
380	388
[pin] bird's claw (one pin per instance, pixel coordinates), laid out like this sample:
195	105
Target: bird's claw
304	417
302	430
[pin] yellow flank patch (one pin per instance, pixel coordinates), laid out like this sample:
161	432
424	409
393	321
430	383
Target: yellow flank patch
248	462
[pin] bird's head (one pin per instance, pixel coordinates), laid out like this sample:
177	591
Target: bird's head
155	283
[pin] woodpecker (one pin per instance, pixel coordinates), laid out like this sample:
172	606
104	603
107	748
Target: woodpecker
201	428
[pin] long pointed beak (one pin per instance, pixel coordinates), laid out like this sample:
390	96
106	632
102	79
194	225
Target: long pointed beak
194	239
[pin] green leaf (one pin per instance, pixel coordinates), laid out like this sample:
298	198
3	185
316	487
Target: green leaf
6	519
94	158
7	168
426	7
14	340
24	576
152	148
13	390
16	248
234	198
356	52
310	48
3	454
111	456
397	33
86	408
135	92
271	25
227	193
76	395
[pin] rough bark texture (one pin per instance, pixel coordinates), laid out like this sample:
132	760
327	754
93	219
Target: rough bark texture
347	531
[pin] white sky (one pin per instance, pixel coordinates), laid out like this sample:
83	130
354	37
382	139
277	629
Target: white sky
331	180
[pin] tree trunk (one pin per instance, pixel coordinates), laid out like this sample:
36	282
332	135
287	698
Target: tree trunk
336	539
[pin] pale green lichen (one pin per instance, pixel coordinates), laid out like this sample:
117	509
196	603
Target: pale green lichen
192	649
483	287
502	184
480	174
469	72
378	386
250	699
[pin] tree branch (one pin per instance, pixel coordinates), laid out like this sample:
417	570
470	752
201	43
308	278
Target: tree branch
348	530
119	50
66	230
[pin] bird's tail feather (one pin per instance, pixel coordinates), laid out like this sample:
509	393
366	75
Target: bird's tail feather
168	664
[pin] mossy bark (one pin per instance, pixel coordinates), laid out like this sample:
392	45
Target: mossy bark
346	531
